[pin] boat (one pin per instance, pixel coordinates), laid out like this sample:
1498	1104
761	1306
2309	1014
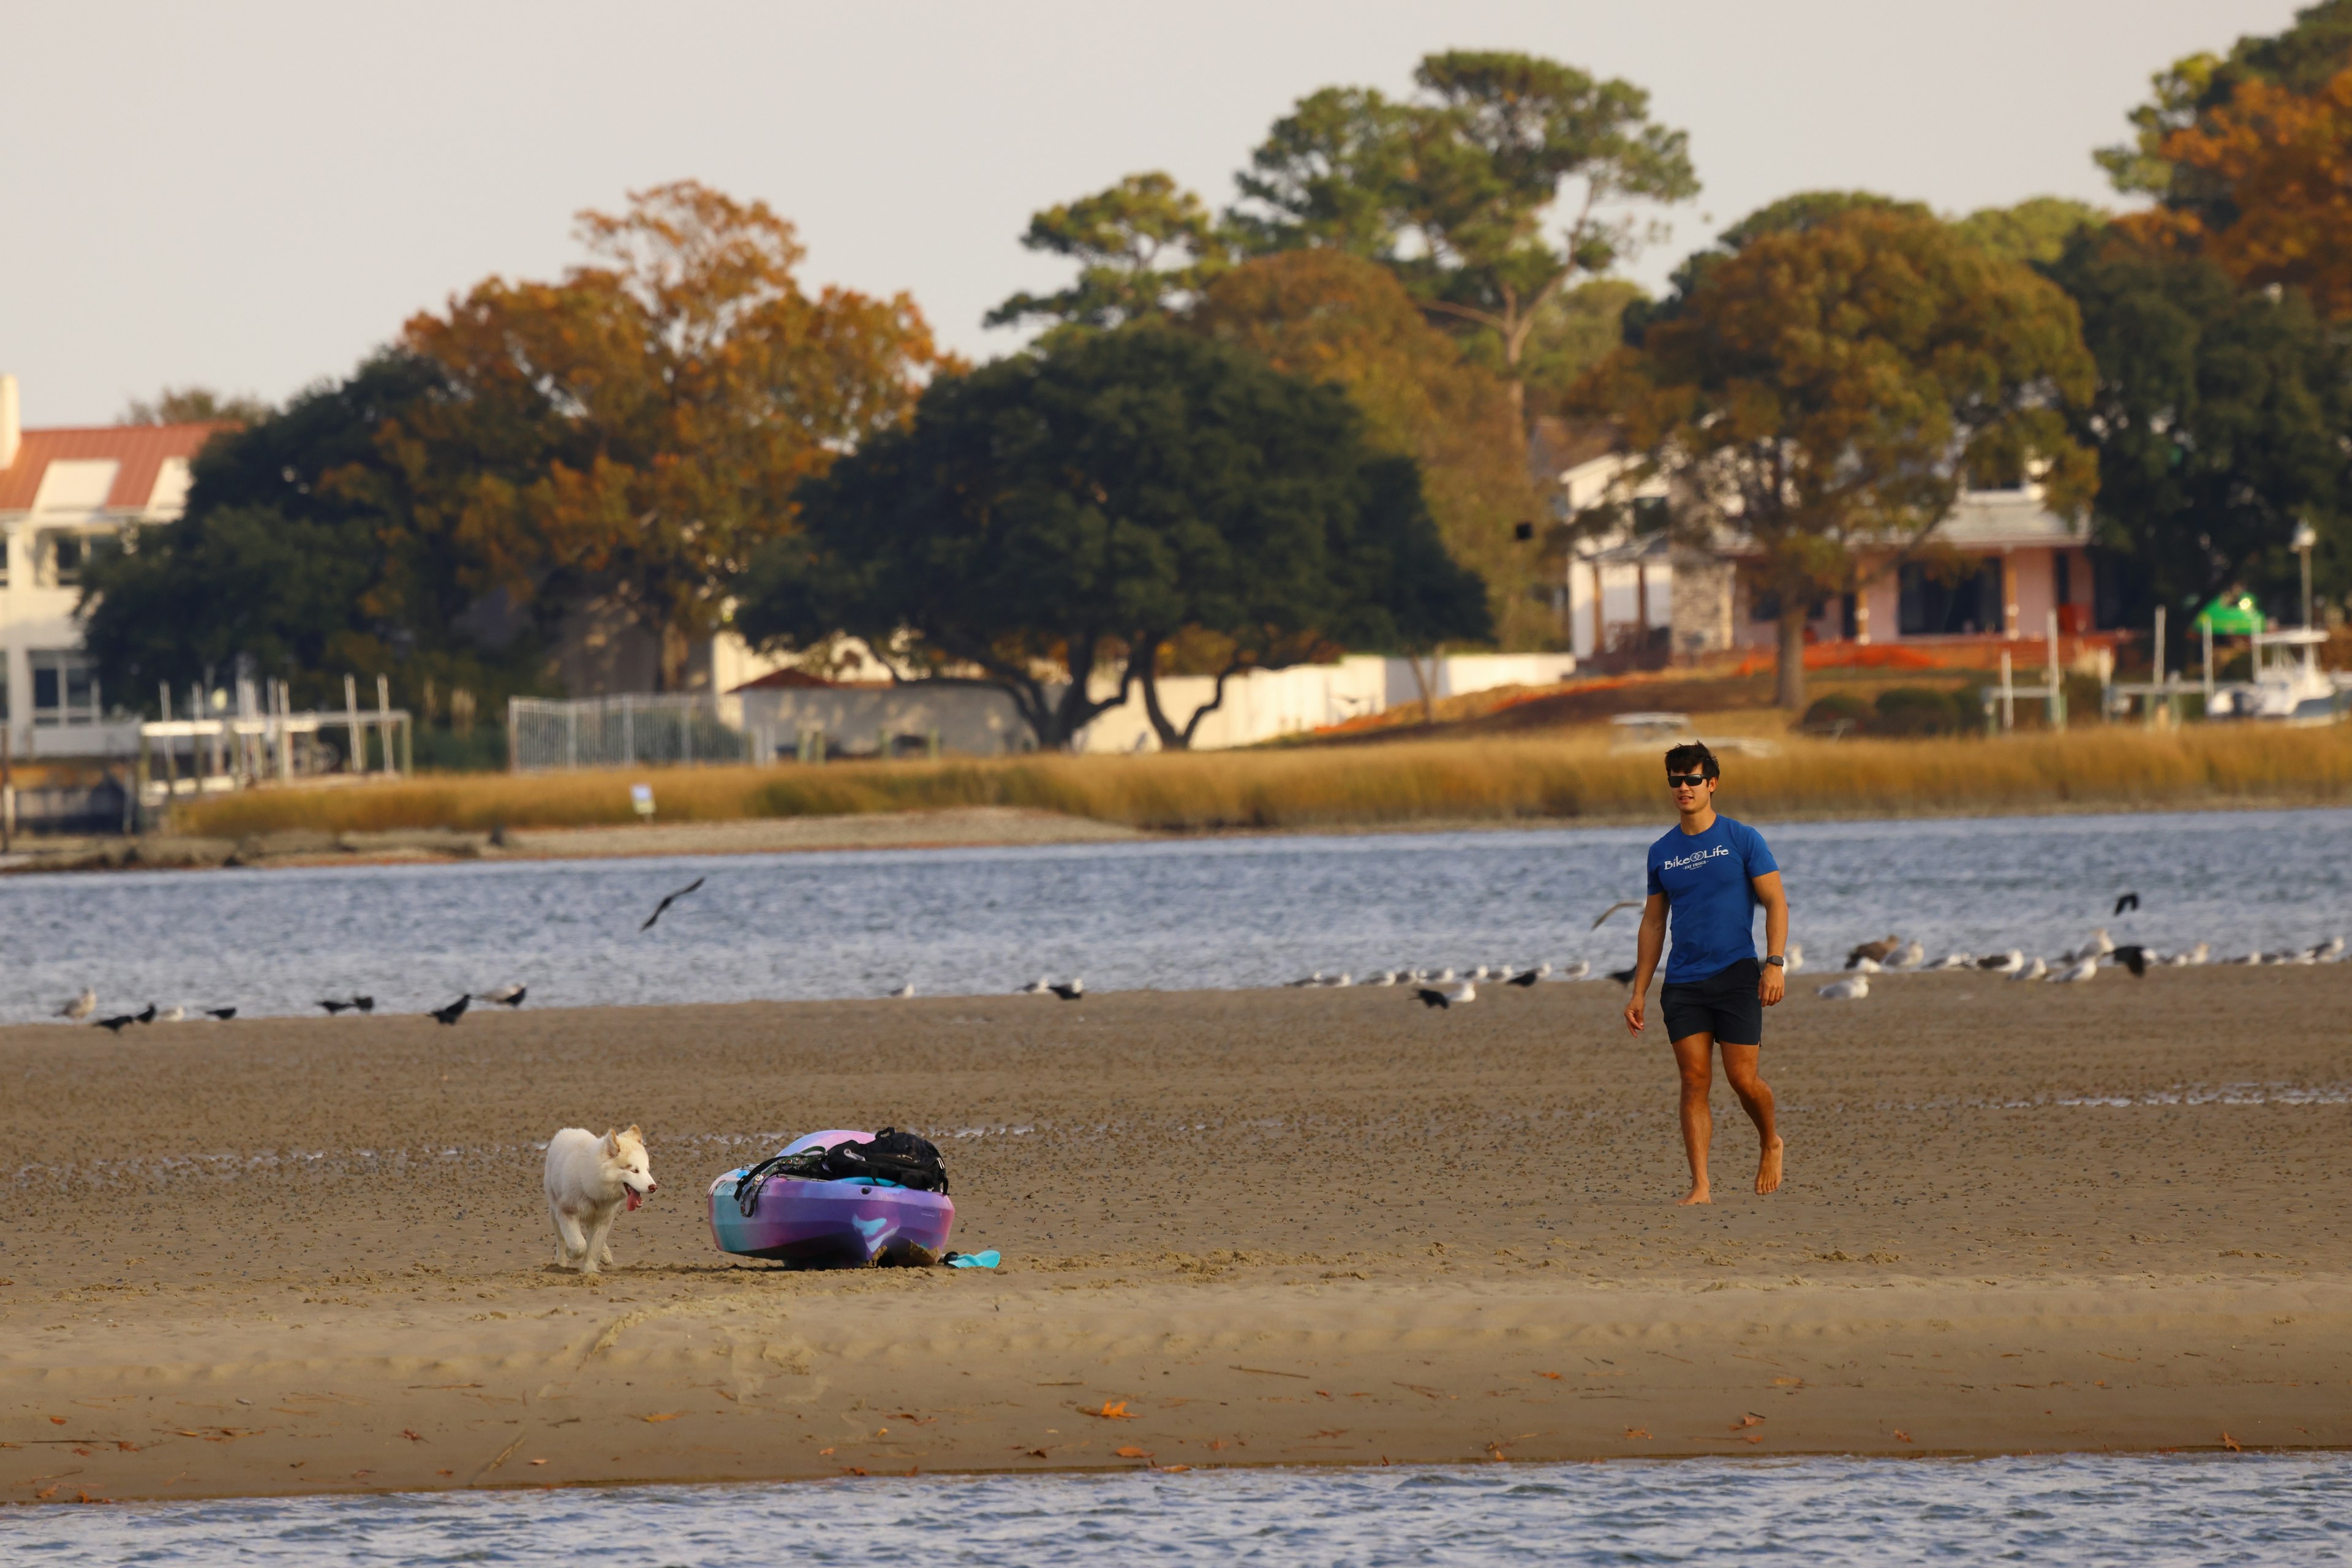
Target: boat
846	1224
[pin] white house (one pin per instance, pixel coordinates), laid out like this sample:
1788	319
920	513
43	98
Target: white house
60	492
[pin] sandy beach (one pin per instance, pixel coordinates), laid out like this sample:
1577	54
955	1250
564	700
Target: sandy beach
1238	1227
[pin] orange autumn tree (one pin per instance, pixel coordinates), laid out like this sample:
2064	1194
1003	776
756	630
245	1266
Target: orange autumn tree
2259	188
634	432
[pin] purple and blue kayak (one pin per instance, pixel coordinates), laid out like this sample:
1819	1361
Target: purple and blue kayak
830	1225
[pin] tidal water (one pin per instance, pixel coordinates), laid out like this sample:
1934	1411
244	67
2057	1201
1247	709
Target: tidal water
2148	1511
1176	915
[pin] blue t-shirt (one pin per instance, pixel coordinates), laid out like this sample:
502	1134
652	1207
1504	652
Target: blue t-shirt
1710	906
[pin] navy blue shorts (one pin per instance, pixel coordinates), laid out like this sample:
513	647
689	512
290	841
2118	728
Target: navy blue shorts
1724	1004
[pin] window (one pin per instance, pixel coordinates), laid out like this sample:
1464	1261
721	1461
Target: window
65	688
1930	607
2061	577
66	552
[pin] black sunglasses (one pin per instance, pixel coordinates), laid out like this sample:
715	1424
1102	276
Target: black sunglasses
1685	781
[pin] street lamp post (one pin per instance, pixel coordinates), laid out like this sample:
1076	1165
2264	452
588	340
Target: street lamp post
2305	536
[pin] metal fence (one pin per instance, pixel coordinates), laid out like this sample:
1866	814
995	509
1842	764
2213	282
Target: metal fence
617	732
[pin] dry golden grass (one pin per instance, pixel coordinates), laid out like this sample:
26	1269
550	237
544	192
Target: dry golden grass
1497	780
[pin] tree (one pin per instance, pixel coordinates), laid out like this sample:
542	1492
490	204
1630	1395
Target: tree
194	406
1072	511
2218	422
2257	187
636	430
1333	317
1139	246
2036	230
302	554
2300	59
1828	389
1453	192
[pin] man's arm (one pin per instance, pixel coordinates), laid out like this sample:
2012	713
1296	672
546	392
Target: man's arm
1645	963
1773	985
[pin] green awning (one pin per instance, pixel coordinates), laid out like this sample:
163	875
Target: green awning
2231	617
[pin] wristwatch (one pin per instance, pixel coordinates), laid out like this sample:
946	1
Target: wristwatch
1777	960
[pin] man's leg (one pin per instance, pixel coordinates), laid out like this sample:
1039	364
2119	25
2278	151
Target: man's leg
1694	1056
1739	1064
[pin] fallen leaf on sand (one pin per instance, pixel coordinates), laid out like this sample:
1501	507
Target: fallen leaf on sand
2232	1444
1637	1431
127	1448
1755	1438
1787	1383
666	1415
1112	1410
538	1461
825	1453
1901	1436
1555	1376
56	1420
1131	1453
412	1436
1750	1419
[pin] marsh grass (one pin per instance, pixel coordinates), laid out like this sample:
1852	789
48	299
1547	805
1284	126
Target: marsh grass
1454	781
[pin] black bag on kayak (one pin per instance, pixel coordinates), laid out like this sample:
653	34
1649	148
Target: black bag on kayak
906	1158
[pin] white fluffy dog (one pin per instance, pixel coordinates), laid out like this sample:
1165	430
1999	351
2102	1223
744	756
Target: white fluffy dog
588	1180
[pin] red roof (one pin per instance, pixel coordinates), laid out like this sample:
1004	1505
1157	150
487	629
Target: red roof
776	677
140	450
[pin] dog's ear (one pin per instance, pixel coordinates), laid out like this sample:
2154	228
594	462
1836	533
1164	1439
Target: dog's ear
611	1141
635	1133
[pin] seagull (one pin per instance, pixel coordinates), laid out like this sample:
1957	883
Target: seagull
1583	967
149	1016
1443	977
2080	969
2034	970
453	1012
1955	960
222	1014
1910	955
1383	977
2201	954
171	1014
2099	946
2134	957
2330	951
1877	951
1073	991
504	996
1865	966
1037	987
1314	979
1620	904
1458	991
668	900
2008	962
903	992
114	1025
2128	901
1852	988
81	1006
1342	978
1795	957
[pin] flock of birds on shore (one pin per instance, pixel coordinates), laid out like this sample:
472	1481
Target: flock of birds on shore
84	1007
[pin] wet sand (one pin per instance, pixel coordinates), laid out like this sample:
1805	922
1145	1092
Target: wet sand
295	1256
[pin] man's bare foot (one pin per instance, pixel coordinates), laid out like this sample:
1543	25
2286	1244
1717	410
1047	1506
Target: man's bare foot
1768	1170
1699	1194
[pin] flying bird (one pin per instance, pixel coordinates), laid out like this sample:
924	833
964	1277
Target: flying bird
1620	904
2128	901
453	1012
1073	991
670	899
223	1014
80	1007
2134	957
114	1025
504	996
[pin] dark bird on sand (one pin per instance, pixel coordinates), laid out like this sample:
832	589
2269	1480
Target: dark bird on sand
364	1003
1620	904
223	1014
114	1025
2134	957
670	899
1877	951
2128	901
1431	997
1622	976
1072	992
1525	978
149	1016
504	996
334	1007
453	1012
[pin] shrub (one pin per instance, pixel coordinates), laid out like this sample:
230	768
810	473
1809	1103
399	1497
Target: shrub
1907	710
1838	711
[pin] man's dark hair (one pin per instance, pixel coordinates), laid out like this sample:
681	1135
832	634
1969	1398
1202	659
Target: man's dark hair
1694	754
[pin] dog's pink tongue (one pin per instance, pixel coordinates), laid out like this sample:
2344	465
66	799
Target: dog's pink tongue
634	1199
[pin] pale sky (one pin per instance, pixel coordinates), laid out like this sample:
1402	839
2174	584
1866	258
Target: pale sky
251	195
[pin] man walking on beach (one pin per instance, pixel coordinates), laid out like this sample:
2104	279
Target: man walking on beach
1711	872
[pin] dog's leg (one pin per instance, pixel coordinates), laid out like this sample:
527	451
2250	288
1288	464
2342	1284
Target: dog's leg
569	1240
600	1249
